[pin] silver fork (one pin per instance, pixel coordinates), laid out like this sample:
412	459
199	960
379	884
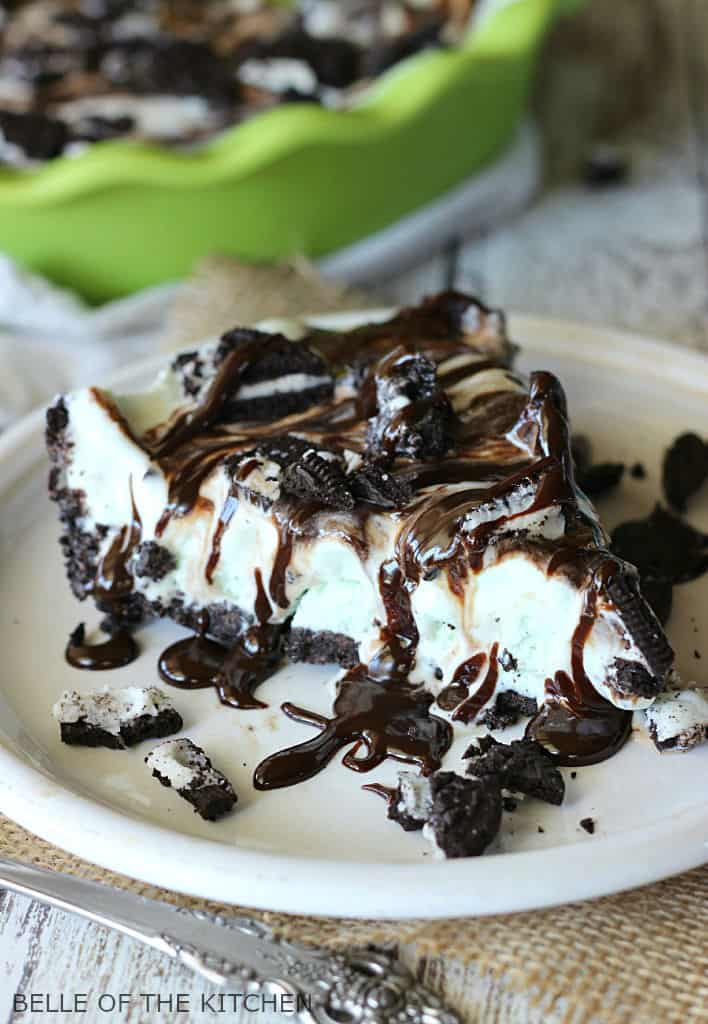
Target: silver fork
367	985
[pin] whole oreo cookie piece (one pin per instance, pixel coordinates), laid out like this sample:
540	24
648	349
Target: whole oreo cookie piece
284	377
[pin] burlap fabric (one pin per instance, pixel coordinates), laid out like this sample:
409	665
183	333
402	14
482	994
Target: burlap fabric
629	959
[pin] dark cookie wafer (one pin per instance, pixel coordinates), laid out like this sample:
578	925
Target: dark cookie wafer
372	484
643	627
321	648
522	766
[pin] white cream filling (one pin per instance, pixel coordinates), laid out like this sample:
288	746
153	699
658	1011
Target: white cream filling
182	764
110	709
286	384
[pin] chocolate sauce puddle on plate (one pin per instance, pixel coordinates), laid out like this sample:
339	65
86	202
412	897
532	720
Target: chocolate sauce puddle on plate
120	649
387	718
578	726
198	662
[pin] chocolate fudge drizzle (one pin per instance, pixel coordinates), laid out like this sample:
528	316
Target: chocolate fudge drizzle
112	584
577	725
198	662
382	718
505	443
118	650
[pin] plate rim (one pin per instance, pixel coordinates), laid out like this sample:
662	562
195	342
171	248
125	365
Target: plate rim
314	886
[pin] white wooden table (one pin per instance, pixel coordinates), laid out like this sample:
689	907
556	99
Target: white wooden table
634	256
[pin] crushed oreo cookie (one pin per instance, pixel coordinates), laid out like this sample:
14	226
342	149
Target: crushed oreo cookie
605	165
412	801
522	766
372	484
414	415
685	469
600	479
183	766
678	720
115	718
662	547
595	480
318	478
588	824
465	814
508	708
152	561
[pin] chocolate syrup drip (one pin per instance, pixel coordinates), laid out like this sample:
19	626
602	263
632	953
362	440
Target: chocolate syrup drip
385	719
400	638
119	650
467	673
578	726
198	662
113	583
387	792
225	518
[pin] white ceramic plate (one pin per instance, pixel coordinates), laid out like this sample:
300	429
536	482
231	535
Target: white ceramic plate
325	847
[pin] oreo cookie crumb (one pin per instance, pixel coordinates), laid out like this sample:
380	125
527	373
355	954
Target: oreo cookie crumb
372	484
588	824
573	775
685	469
153	561
541	829
638	471
631	679
604	166
465	815
508	662
662	547
697	655
522	766
318	479
600	479
508	708
510	803
414	415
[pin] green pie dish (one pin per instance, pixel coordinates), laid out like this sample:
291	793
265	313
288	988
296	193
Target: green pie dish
298	179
